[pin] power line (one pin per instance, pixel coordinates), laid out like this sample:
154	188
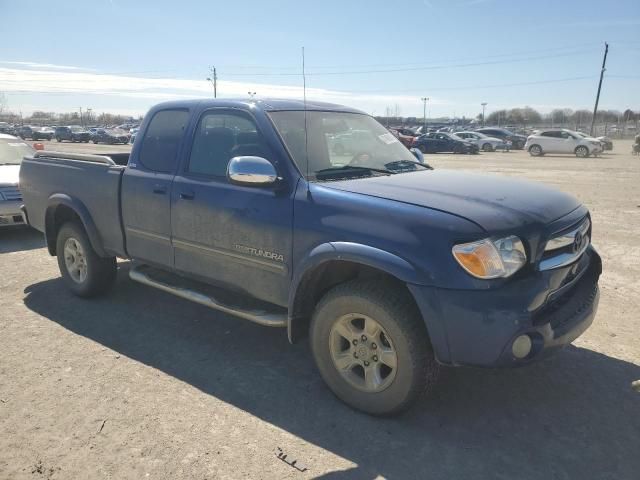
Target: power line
473	87
411	69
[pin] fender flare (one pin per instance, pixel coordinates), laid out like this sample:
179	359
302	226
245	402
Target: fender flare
58	199
349	252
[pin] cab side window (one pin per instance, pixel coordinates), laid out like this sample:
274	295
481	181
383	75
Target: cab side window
220	136
162	139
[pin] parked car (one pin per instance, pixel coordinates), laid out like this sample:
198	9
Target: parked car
389	267
133	132
42	133
484	143
102	135
517	141
73	133
437	142
12	151
35	133
560	140
405	136
7	129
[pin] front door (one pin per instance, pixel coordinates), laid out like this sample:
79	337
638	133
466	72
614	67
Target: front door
235	236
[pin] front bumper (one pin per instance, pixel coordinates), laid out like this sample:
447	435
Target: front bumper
553	308
10	213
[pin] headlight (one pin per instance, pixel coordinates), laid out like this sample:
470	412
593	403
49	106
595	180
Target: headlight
491	258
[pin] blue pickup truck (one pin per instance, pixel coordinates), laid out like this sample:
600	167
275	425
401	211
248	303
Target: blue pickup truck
389	267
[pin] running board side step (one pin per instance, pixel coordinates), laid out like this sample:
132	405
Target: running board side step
144	274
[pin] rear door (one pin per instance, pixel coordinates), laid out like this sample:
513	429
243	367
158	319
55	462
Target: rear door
232	235
146	188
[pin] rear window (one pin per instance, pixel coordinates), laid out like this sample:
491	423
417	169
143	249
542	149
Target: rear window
162	139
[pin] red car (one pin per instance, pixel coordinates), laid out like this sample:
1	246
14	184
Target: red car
405	136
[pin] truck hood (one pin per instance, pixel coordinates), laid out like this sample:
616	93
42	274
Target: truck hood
9	175
493	202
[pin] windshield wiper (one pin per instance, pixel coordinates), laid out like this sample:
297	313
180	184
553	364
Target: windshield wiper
410	162
345	168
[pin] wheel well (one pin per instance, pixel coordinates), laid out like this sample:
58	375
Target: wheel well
55	218
316	283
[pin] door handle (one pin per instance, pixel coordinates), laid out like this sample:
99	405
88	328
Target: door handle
187	195
159	189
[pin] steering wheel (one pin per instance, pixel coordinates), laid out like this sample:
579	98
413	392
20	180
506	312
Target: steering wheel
361	159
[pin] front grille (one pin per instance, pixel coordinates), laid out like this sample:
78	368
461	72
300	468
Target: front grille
10	193
561	311
565	247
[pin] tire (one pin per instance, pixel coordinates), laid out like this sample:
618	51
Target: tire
581	151
487	147
401	335
422	148
535	150
99	272
58	139
95	141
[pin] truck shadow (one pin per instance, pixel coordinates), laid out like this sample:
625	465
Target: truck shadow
572	416
16	239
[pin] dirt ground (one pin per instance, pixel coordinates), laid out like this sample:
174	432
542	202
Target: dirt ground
140	384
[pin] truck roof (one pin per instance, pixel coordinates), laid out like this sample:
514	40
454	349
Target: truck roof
266	104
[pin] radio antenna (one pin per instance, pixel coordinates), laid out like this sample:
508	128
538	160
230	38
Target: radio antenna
304	103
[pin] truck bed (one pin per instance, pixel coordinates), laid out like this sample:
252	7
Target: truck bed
49	179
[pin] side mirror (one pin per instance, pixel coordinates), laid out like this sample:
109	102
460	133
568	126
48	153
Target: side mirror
418	154
38	146
251	171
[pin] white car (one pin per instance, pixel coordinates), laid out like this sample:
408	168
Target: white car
556	140
484	142
12	150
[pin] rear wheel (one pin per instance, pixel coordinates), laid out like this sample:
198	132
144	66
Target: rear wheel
85	273
422	148
95	141
582	151
535	150
371	347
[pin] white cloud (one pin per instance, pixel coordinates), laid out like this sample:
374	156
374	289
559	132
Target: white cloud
43	65
51	81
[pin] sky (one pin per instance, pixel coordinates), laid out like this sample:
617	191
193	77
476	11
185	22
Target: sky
124	56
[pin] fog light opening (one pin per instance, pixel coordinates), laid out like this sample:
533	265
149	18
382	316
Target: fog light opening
521	346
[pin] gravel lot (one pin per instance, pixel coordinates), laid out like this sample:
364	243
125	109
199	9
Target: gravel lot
142	384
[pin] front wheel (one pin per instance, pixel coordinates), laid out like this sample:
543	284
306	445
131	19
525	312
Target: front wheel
487	147
371	347
535	151
582	151
85	273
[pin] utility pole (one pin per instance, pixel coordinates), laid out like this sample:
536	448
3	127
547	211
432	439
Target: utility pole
424	113
81	121
214	81
595	108
484	104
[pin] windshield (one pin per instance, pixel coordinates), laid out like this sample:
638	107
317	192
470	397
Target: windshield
77	129
341	145
11	153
